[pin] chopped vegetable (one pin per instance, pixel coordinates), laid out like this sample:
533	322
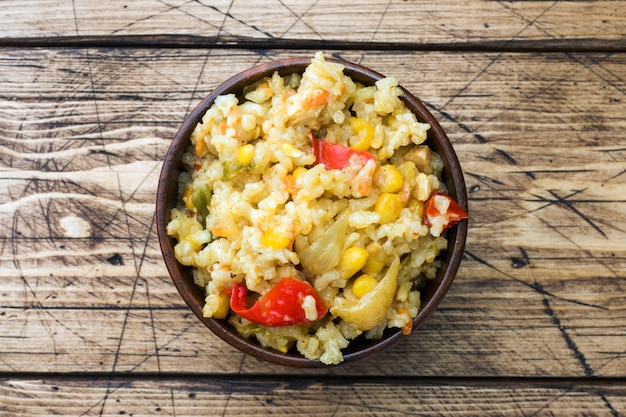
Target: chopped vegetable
299	172
364	134
316	99
363	284
441	209
222	310
336	156
388	206
282	305
376	259
272	238
245	154
388	179
371	308
323	254
421	156
408	327
200	199
353	259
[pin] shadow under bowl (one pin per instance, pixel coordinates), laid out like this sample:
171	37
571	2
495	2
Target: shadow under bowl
193	295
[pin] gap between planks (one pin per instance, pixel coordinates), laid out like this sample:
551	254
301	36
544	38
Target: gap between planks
200	42
575	383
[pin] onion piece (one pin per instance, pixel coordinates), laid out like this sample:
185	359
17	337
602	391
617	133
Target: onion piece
324	253
371	309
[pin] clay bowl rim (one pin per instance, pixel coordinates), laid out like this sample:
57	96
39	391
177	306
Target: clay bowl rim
193	295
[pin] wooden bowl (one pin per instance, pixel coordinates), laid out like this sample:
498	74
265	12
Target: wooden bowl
194	295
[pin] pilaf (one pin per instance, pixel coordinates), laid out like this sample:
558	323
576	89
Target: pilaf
311	211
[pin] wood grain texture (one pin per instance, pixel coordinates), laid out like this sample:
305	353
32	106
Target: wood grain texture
539	135
583	23
532	95
261	397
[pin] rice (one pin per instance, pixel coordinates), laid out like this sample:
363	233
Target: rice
255	203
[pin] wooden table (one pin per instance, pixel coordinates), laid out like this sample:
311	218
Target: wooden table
533	97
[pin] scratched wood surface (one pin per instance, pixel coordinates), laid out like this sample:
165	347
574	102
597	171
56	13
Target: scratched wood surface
598	24
535	322
236	397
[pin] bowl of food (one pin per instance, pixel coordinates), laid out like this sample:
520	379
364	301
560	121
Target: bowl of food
311	211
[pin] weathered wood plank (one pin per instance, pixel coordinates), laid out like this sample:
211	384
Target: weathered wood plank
484	328
540	137
202	397
598	23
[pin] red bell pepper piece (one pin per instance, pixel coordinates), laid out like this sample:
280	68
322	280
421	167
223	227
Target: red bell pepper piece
452	216
280	306
334	155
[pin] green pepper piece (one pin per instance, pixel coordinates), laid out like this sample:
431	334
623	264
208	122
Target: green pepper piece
201	198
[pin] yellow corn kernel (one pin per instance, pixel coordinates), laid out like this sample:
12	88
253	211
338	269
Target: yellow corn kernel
352	261
272	239
187	198
224	306
245	154
376	259
298	172
408	170
388	206
363	284
417	207
364	134
388	179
